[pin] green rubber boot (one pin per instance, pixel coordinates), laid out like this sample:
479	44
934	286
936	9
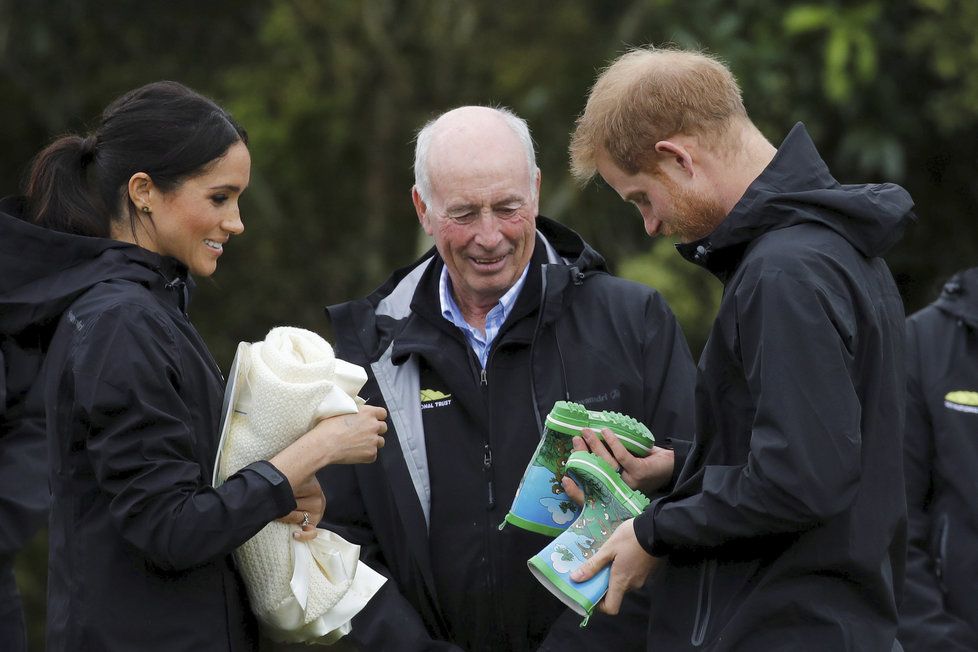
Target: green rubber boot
570	418
540	504
608	502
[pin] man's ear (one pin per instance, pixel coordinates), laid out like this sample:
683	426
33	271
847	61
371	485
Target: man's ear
675	157
141	189
421	209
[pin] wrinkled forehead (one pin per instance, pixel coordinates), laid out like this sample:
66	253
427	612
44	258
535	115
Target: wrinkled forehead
474	164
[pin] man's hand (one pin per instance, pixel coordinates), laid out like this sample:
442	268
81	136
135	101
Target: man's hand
630	566
646	474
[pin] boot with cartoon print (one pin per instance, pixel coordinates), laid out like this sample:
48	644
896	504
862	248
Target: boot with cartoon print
608	502
540	504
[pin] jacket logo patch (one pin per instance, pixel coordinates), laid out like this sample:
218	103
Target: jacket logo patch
962	401
432	398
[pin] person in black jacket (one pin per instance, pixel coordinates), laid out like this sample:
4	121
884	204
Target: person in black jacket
95	264
938	610
468	348
24	493
787	525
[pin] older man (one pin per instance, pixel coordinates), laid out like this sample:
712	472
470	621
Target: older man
786	529
469	348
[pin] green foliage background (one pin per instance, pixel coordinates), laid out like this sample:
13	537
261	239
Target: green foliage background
331	92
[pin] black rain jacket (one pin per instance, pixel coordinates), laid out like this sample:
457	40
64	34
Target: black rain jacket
787	527
140	543
575	331
24	495
939	610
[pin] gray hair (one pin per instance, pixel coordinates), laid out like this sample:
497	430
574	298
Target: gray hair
422	179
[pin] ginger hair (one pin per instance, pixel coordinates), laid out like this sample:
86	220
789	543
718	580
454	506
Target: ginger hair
651	94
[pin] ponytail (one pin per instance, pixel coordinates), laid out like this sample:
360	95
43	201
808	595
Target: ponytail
164	129
58	193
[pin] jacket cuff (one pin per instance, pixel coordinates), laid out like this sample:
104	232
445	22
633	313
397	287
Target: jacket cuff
680	449
644	526
281	489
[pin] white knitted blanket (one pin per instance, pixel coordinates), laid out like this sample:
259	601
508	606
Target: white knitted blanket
279	388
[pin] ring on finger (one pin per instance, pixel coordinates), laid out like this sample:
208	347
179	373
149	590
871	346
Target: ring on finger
305	519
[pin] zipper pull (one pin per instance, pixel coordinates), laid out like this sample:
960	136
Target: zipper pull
484	381
487	466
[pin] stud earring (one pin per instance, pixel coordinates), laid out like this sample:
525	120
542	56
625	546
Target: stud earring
145	209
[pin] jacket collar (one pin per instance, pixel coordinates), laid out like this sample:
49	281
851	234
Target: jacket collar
174	285
43	271
795	188
426	307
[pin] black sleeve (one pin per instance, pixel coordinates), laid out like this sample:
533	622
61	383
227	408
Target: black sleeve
389	621
925	622
681	449
24	495
126	373
803	463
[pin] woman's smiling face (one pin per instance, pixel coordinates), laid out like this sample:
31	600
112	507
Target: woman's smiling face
193	221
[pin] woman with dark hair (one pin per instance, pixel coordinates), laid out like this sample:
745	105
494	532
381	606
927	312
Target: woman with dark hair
96	264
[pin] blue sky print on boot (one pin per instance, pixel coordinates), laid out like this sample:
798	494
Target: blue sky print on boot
608	502
541	505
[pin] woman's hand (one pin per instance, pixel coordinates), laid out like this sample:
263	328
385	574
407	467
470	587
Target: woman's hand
353	438
344	439
310	506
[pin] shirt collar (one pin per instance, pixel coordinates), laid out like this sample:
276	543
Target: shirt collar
451	311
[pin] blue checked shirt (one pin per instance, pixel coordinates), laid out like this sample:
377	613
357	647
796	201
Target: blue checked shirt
481	342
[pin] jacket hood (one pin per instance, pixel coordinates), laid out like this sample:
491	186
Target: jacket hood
795	188
43	271
571	247
959	298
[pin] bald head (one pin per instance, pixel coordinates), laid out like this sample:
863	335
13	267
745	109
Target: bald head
469	137
476	195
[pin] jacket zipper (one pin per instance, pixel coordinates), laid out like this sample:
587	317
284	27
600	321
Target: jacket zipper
940	558
487	448
704	601
179	286
490	501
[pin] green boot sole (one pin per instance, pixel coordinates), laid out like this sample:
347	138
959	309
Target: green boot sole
570	418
